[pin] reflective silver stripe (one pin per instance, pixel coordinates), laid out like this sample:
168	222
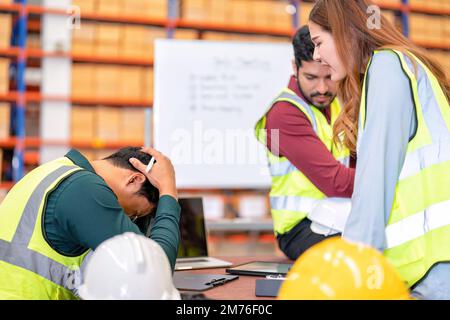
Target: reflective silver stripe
417	225
286	95
292	203
35	262
28	219
430	107
17	253
425	157
278	169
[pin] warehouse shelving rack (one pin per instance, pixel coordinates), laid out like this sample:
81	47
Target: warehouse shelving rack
20	55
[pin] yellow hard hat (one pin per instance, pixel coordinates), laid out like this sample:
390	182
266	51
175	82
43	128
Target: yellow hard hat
336	269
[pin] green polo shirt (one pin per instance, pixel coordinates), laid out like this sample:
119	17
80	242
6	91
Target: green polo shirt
83	211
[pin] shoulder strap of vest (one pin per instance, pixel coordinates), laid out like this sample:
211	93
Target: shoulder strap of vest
408	73
288	95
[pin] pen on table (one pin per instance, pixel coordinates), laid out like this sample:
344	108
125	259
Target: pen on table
150	165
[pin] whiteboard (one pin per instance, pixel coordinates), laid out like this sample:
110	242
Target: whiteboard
208	96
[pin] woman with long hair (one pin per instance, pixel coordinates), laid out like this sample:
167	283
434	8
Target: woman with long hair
396	117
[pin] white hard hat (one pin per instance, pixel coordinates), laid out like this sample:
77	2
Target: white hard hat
128	267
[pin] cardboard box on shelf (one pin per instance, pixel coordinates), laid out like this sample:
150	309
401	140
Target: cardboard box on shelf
109	7
217	11
108	33
5	117
131	83
108	124
133	125
194	10
260	14
84	39
239	11
133	7
5	30
148	42
107	50
138	41
86	6
107	81
305	10
83	80
157	9
147	84
145	8
83	123
4	75
281	18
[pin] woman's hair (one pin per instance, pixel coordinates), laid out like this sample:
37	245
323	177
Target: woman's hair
347	21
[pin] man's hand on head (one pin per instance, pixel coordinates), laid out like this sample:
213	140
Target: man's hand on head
161	175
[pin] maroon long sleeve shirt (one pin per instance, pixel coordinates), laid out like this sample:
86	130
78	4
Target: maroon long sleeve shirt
302	147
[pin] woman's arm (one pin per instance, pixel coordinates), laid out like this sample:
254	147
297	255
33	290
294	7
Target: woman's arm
390	121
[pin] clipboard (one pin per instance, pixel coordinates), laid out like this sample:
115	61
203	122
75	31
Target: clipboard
200	282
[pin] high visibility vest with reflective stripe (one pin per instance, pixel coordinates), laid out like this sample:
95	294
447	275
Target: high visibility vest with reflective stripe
293	195
29	267
418	230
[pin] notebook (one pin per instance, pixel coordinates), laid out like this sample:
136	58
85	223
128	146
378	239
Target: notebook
193	249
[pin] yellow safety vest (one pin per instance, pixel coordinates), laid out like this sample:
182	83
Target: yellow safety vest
418	230
293	195
29	267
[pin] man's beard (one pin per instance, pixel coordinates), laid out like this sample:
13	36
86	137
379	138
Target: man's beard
315	94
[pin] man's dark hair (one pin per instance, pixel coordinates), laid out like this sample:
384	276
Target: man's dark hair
303	46
121	159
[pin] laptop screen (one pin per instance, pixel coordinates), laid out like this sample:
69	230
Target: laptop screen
192	229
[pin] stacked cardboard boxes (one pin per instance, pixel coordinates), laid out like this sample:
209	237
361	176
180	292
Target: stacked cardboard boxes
107	40
132	126
149	8
5	30
107	81
107	127
112	82
84	39
138	41
108	7
86	6
431	4
83	124
117	40
5	117
131	8
430	28
4	76
107	124
243	13
83	80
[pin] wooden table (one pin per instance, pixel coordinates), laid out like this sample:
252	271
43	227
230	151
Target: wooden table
239	289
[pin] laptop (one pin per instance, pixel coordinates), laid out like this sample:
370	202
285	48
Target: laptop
193	249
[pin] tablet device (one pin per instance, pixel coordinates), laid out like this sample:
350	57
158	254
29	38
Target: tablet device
200	282
260	268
